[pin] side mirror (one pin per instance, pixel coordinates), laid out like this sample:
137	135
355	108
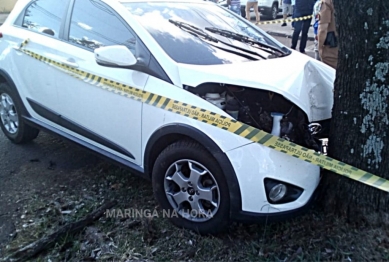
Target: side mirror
114	56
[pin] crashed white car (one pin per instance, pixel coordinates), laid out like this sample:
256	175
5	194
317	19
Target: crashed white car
194	52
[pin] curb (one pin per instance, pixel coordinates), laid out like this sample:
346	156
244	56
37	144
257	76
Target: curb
310	38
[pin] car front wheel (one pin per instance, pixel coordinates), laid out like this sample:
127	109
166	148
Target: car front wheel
11	119
190	187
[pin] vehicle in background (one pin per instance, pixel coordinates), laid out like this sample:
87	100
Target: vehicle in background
268	8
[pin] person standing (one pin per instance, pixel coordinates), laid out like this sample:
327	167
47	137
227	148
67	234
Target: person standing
302	8
254	4
293	11
316	10
286	10
327	35
234	6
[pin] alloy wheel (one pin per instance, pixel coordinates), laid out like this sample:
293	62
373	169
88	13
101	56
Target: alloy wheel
8	114
192	190
274	12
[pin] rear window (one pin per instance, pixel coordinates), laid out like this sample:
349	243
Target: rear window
45	16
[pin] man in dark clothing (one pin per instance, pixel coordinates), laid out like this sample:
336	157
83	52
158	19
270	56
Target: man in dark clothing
302	8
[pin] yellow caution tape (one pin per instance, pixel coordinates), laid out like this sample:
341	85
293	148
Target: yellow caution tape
285	20
24	43
222	122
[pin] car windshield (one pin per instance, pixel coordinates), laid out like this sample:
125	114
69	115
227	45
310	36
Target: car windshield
185	47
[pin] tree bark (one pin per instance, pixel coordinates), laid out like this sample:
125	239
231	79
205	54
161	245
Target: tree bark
360	118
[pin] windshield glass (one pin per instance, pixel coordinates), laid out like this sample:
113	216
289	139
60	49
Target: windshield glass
184	47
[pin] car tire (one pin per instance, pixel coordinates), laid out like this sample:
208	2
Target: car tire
243	11
11	121
188	173
274	11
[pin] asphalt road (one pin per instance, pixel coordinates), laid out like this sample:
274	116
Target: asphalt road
309	50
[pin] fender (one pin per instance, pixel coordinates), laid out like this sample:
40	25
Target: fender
210	145
8	80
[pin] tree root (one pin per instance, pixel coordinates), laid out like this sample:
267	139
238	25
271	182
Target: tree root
44	243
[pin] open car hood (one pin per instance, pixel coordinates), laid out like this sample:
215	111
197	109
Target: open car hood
306	82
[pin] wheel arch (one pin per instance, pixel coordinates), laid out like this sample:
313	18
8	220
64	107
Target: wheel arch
6	78
169	134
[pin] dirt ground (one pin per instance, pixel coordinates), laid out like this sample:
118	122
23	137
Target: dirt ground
38	170
51	182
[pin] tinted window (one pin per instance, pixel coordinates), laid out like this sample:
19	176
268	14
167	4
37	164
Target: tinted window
94	25
45	16
182	46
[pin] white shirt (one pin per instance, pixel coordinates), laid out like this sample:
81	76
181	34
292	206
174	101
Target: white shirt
293	2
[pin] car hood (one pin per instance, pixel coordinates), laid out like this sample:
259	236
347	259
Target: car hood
306	82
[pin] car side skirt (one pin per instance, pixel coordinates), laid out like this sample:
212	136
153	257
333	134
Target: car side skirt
70	125
135	169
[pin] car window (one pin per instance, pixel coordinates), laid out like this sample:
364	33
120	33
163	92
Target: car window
95	25
45	16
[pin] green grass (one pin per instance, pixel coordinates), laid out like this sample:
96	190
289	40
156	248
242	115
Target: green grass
314	236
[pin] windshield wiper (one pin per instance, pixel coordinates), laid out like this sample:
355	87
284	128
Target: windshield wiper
245	39
193	29
198	32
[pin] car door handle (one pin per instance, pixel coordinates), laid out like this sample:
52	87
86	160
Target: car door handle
69	63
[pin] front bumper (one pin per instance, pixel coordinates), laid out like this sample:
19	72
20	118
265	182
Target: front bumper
253	163
252	217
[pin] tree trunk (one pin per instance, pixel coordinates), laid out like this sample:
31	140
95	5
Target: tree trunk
360	118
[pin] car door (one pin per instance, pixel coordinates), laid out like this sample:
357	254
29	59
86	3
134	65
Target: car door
41	23
106	119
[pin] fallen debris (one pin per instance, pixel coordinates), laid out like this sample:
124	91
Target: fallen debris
42	244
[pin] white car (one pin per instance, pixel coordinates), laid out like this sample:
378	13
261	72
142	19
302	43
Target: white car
269	8
64	66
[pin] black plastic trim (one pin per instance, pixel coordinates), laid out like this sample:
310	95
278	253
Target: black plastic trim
96	150
70	125
292	194
211	146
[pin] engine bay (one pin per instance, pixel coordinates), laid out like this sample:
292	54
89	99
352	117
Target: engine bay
264	110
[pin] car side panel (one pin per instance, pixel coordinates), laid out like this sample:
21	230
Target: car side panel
109	115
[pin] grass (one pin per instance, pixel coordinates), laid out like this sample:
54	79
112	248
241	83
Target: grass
314	236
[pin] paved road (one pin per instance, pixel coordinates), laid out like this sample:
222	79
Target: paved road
309	50
2	18
278	30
